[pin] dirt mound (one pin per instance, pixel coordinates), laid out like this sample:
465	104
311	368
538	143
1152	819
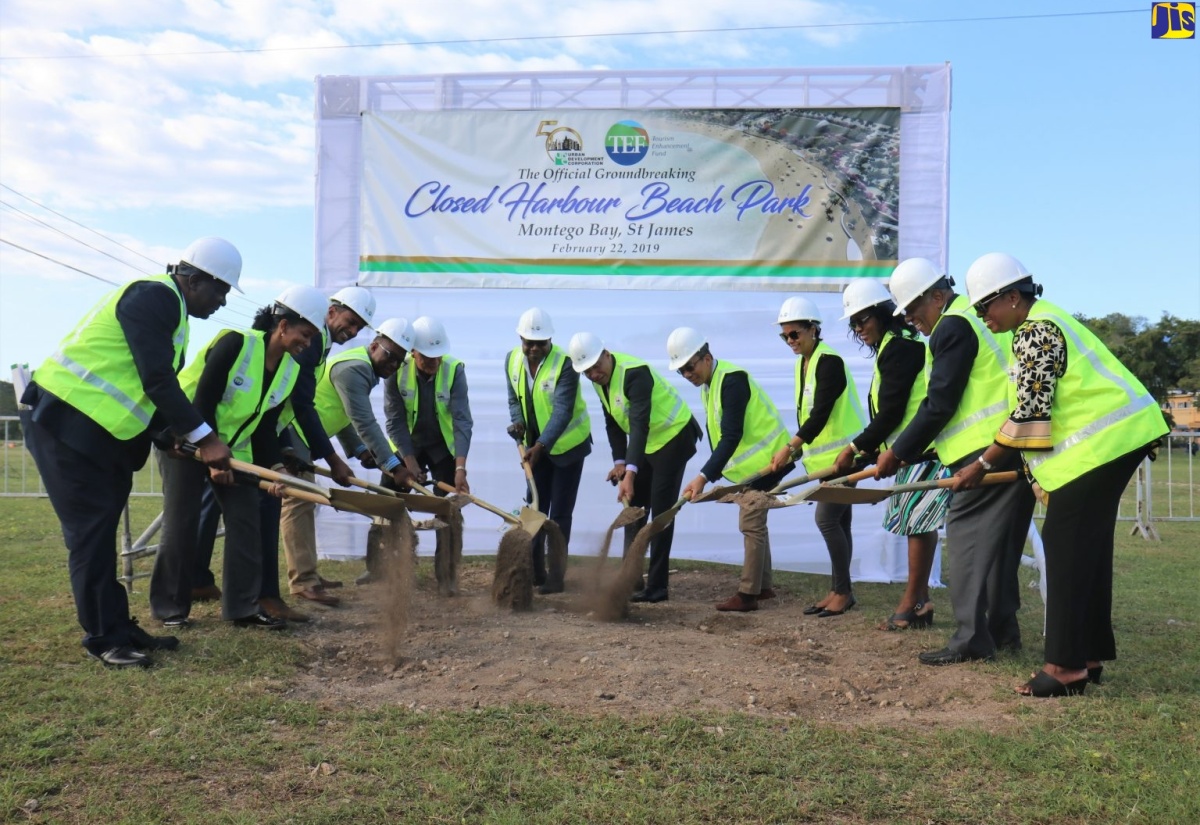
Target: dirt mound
679	656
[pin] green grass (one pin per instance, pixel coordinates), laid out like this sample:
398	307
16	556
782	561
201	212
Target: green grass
216	734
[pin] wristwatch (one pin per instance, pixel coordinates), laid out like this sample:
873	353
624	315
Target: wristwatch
987	465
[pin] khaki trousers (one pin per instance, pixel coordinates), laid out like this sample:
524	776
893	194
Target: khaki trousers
756	565
298	527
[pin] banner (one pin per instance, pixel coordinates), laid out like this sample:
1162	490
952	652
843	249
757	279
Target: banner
782	198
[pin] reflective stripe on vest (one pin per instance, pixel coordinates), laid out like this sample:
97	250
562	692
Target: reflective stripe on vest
243	403
846	419
328	403
668	412
544	383
288	415
443	383
763	433
1100	410
984	403
93	368
915	394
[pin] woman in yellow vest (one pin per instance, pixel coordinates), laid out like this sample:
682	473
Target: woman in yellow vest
238	384
1083	423
897	387
829	414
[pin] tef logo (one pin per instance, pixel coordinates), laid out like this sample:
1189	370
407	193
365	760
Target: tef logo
1173	21
627	142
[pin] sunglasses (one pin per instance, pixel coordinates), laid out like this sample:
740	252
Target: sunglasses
690	366
981	308
861	321
789	336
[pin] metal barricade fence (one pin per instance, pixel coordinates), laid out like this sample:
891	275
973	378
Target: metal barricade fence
19	475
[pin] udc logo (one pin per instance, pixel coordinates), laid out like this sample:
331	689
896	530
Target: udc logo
1173	21
627	142
562	144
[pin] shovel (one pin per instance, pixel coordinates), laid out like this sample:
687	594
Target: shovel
530	517
808	494
491	508
850	495
348	506
416	503
729	489
796	482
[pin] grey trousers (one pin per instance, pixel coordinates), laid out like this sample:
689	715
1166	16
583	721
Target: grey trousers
833	520
171	581
985	536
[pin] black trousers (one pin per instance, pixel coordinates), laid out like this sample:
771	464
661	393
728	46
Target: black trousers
656	487
1081	518
88	496
268	525
557	489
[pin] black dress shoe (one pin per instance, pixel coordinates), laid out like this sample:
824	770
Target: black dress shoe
141	640
946	656
826	613
812	610
262	621
123	656
650	596
177	621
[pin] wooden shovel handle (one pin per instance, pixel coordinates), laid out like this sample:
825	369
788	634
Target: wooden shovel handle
941	483
283	478
796	482
297	492
491	508
357	482
859	476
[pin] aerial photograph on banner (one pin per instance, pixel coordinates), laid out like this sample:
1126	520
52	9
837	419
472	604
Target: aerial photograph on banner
770	195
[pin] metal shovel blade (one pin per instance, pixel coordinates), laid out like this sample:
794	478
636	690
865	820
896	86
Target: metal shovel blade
531	520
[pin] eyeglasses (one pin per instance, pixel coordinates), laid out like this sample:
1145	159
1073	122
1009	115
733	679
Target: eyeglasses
981	308
861	321
690	366
392	357
789	336
915	303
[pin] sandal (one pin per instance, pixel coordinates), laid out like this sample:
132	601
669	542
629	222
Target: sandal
912	619
1045	686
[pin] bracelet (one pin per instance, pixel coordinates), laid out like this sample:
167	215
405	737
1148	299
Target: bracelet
986	464
462	470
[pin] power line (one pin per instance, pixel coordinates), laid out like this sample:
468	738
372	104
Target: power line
72	237
225	309
598	35
77	223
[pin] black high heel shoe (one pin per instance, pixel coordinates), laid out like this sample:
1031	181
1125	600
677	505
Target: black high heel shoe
1045	686
826	613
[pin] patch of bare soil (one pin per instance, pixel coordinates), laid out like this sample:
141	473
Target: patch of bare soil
678	656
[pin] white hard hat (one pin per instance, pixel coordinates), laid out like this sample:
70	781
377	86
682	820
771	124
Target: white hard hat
911	278
797	308
358	299
398	330
429	337
584	349
682	344
535	325
861	294
992	273
307	302
216	257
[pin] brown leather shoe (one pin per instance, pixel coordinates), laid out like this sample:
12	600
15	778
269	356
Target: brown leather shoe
279	609
329	585
317	594
208	593
767	593
739	603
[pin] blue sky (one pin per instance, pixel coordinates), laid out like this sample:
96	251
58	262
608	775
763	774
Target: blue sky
1075	140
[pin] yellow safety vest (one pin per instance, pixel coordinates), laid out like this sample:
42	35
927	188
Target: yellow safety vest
326	400
984	403
845	421
288	415
243	403
1100	410
544	383
93	368
915	395
763	433
669	413
443	383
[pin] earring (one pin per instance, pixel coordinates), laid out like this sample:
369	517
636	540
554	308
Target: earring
1014	306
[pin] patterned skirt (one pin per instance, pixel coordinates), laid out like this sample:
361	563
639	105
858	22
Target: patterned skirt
921	511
